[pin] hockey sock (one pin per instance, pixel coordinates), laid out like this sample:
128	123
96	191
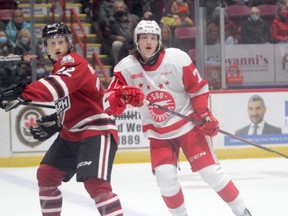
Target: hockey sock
166	176
49	179
106	201
175	203
225	188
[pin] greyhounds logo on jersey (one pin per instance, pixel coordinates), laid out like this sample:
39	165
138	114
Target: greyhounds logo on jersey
24	120
163	99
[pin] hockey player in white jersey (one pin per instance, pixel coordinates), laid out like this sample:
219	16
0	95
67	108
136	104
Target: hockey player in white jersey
168	78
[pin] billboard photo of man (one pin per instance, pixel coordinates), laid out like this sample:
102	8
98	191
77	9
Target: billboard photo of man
258	126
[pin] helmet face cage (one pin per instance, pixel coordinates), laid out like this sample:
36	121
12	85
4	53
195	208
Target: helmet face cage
147	27
56	30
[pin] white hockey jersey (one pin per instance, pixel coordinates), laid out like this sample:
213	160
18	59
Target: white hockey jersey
173	82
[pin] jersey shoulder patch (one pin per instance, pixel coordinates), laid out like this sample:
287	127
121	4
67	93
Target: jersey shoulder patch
66	59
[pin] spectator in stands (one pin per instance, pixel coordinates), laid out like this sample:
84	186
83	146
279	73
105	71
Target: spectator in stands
282	4
126	48
6	67
15	25
254	30
23	48
8	4
140	8
181	11
210	5
106	11
157	8
6	48
2	25
213	34
279	28
121	26
231	32
253	3
167	36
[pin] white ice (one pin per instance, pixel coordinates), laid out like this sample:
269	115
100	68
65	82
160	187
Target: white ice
262	182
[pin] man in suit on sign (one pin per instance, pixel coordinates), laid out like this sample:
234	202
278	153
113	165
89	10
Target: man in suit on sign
256	112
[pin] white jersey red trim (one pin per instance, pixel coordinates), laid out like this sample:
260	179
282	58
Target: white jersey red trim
173	82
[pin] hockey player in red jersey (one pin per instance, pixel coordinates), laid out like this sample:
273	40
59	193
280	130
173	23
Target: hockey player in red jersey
167	77
86	144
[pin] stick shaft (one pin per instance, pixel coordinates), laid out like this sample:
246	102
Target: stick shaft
40	105
252	143
220	131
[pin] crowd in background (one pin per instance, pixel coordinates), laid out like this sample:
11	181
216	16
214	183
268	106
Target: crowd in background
113	22
16	53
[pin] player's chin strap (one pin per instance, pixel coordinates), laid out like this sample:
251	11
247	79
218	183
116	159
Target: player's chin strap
220	131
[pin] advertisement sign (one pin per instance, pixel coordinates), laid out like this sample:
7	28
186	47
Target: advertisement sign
130	129
235	116
250	61
281	62
254	61
21	139
230	108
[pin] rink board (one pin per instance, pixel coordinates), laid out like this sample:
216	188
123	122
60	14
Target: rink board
143	156
18	148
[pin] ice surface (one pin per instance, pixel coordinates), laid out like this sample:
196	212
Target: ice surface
262	182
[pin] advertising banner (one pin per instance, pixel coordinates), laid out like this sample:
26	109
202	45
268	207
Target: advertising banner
21	139
254	61
249	61
281	62
233	110
239	112
129	127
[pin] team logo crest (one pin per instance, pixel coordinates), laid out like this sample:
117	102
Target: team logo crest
163	99
67	58
25	119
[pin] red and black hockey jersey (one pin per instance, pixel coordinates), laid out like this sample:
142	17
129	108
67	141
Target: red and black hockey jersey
74	87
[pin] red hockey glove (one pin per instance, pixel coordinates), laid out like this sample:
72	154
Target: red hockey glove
209	124
117	103
132	95
122	96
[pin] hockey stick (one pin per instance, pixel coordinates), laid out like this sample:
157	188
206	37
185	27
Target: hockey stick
220	131
40	105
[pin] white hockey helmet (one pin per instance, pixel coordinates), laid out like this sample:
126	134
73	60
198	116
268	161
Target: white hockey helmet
147	27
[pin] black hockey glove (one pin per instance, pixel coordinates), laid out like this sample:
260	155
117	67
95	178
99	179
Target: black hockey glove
46	127
10	98
13	104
